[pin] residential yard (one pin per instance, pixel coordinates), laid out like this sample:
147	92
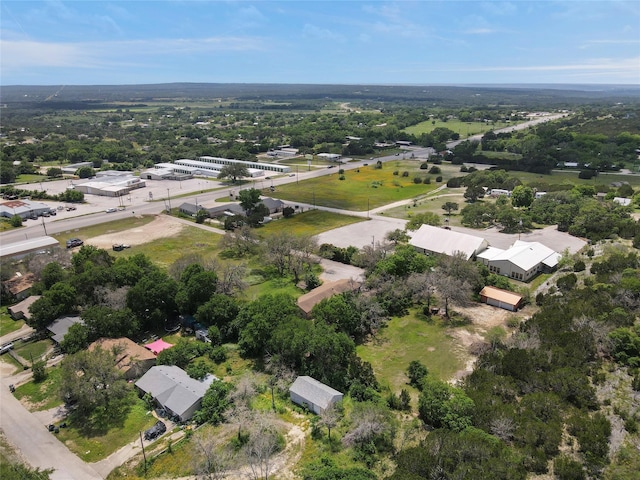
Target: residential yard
33	351
43	395
110	228
8	324
366	187
94	445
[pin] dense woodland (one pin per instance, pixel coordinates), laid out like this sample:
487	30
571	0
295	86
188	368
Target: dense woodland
559	396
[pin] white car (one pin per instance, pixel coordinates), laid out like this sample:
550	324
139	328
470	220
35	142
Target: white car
111	210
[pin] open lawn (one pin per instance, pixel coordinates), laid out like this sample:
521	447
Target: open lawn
311	222
465	129
412	337
33	350
570	177
8	324
433	203
43	395
365	187
92	446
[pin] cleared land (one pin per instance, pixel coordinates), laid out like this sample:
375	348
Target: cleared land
366	187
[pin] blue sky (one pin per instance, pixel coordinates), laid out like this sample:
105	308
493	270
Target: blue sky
337	42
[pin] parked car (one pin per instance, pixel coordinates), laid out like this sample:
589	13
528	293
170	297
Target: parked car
74	242
5	348
111	210
158	429
53	212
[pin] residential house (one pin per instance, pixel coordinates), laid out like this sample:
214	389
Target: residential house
307	301
60	327
19	286
20	311
132	360
174	390
312	394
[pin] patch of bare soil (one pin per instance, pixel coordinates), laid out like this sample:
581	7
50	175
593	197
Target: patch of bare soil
161	227
483	318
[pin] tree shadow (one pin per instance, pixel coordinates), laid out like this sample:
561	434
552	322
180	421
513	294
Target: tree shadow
99	421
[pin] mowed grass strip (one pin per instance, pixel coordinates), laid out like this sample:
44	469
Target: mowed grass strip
311	222
410	338
360	190
8	324
464	129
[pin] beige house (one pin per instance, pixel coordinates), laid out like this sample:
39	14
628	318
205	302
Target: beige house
328	289
501	298
132	360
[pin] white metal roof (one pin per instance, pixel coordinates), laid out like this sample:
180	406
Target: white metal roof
441	240
29	245
527	255
314	391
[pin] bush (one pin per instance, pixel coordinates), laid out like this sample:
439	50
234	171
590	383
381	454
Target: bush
311	280
405	174
416	373
566	468
439	179
427	180
417	180
16	221
435	170
219	355
463	168
287	212
341	171
579	266
424	166
342	177
395	172
455	182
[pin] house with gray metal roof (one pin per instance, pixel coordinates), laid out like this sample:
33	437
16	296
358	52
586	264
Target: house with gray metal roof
60	327
522	261
174	390
312	394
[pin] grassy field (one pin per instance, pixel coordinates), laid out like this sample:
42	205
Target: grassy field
43	395
366	187
92	447
465	129
570	177
411	337
8	324
311	222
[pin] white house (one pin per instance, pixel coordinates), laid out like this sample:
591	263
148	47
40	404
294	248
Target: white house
522	261
429	240
312	394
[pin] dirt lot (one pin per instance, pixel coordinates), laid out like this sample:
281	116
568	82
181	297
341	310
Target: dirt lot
163	226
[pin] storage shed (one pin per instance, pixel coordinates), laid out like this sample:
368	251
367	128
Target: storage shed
501	298
314	395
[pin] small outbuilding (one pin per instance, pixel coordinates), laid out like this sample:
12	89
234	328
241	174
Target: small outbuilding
500	298
314	395
20	311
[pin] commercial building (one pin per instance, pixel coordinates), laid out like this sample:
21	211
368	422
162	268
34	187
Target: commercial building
436	240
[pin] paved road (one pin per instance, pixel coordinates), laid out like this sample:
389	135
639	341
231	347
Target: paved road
39	446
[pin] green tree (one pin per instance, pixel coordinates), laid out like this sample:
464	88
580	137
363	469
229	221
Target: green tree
416	372
91	380
233	171
16	221
214	403
441	405
450	207
522	196
249	199
473	193
426	218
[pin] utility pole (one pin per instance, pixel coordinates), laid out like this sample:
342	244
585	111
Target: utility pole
169	200
143	454
43	226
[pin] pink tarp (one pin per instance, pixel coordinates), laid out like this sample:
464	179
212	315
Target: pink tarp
158	346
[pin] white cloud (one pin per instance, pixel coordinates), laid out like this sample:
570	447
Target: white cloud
313	31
